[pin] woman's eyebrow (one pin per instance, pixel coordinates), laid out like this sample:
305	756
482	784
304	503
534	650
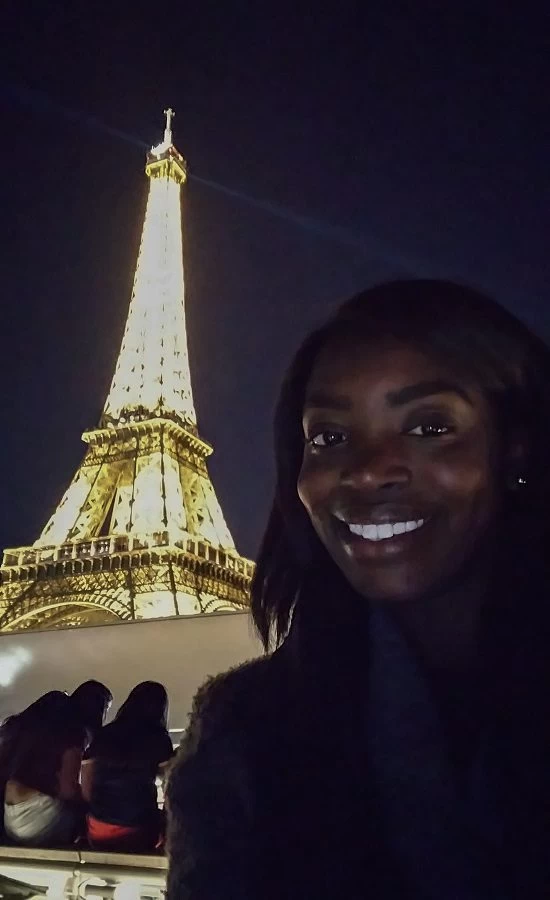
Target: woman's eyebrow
319	399
324	400
426	389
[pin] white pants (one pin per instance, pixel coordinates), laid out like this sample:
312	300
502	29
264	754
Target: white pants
39	819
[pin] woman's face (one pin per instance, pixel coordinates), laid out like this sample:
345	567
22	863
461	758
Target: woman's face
399	472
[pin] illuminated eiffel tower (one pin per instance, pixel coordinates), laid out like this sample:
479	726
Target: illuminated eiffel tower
139	533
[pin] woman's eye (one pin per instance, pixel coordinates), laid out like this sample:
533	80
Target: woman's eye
430	429
326	438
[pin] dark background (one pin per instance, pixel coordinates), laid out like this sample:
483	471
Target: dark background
372	141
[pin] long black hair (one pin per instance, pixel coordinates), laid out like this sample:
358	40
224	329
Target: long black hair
454	324
33	741
89	702
146	705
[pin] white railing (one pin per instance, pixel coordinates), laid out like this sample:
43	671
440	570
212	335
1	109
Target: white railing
76	873
124	544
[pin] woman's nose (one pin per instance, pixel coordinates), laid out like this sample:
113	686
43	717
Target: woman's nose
377	467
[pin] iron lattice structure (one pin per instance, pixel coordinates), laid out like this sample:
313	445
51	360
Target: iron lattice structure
139	533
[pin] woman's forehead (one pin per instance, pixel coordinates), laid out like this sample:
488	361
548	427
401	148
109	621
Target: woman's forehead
387	359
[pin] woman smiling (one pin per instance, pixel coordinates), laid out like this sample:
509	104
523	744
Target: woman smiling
394	742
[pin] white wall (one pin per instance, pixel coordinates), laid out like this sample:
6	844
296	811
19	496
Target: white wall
179	652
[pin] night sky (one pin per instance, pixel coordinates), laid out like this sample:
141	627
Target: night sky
380	140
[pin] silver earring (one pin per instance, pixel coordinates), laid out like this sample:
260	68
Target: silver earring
516	483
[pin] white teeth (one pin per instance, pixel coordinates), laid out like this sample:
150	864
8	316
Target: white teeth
355	529
385	531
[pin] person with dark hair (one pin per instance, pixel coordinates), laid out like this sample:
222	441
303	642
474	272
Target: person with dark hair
395	742
119	773
90	702
40	754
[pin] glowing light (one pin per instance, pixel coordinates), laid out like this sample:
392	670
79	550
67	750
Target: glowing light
65	516
152	375
12	662
167	141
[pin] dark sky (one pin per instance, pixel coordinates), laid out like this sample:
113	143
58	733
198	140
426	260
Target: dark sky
400	139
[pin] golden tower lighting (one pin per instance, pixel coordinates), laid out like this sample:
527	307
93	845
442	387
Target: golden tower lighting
139	532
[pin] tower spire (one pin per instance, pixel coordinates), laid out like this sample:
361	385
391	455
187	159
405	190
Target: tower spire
152	376
169	113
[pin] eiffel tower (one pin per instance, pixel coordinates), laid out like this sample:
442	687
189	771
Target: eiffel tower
139	533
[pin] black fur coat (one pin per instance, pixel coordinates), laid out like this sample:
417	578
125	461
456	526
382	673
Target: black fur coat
270	795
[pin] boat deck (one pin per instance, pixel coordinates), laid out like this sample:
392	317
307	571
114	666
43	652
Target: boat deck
29	873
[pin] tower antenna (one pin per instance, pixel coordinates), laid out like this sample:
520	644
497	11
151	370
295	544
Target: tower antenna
169	113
